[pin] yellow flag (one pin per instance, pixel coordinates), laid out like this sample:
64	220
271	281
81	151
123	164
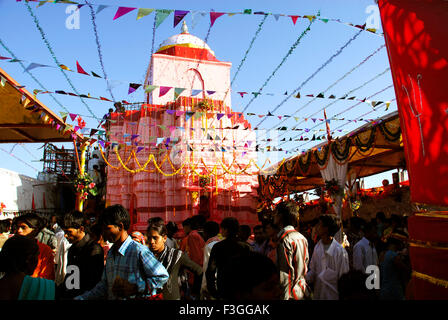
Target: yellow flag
64	67
143	12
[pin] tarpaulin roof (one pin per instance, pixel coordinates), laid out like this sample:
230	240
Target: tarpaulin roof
23	118
374	148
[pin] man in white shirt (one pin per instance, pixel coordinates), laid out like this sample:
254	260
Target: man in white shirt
329	261
364	252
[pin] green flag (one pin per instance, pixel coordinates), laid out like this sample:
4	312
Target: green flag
161	15
150	88
178	92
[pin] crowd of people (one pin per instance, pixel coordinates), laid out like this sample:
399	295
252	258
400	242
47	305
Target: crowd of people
72	257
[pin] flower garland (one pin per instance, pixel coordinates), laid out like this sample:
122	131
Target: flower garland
333	188
84	185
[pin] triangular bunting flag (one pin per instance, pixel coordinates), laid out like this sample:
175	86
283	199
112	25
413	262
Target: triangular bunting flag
214	16
95	75
122	11
294	19
150	88
320	95
210	92
163	90
161	15
101	8
198	115
195	92
195	17
133	87
178	16
143	12
80	69
34	65
73	116
242	94
178	92
219	115
255	94
276	16
188	115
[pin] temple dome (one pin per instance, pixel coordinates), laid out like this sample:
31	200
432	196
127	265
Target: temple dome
184	39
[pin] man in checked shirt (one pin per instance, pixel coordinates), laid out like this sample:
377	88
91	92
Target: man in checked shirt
131	269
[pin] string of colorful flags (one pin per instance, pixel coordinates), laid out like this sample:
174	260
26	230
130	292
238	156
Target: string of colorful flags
177	91
340	79
31	75
374	104
329	60
99	50
179	15
53	55
343	111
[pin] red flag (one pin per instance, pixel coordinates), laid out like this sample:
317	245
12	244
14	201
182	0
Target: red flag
294	19
80	69
328	126
417	49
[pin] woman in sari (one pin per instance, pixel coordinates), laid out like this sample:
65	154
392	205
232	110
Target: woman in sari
18	259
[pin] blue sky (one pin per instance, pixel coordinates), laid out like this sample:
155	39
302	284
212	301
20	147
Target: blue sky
126	47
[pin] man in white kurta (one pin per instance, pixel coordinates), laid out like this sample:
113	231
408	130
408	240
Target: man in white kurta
364	252
328	263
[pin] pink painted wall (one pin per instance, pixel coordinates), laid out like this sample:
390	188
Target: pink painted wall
150	194
172	71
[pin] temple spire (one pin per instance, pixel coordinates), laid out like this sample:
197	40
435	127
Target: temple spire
184	27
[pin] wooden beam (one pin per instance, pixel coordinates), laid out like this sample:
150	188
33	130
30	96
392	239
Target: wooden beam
374	165
391	147
23	134
23	125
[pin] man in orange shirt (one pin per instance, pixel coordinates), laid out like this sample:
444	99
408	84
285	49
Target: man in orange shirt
29	225
193	244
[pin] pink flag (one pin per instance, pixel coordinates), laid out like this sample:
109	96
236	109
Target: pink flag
242	94
73	116
214	16
163	90
122	11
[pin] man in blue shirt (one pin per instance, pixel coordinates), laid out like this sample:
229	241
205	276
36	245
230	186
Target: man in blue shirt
131	269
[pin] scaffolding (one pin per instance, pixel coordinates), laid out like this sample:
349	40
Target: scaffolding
59	162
